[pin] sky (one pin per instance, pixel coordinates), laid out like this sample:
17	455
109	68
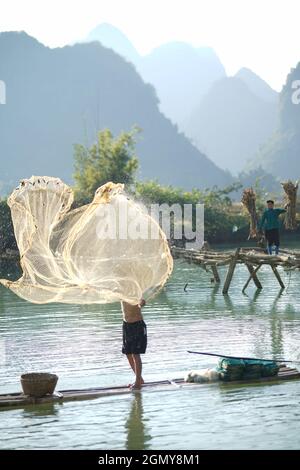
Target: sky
262	35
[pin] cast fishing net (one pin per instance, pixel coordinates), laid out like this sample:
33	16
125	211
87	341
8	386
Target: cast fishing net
106	251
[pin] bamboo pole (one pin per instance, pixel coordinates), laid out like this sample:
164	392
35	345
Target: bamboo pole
215	273
230	271
277	275
251	277
254	276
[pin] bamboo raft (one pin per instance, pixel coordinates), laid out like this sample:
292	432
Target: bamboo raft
20	400
252	258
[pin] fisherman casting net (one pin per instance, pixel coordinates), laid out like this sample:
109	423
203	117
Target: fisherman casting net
109	250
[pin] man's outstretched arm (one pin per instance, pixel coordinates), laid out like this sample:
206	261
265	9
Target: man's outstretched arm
281	211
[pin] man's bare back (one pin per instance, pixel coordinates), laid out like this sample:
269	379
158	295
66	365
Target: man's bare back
132	313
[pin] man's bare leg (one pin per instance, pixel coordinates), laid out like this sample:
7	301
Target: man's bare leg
138	372
131	361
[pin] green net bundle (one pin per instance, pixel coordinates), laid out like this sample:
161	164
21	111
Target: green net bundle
242	369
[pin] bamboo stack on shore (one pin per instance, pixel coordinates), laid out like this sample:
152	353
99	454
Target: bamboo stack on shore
290	197
249	201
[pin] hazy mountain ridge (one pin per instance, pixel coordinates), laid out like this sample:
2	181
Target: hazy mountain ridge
59	97
113	38
231	123
280	153
180	73
229	128
257	85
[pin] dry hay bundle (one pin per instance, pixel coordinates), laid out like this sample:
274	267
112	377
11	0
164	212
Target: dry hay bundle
290	199
249	201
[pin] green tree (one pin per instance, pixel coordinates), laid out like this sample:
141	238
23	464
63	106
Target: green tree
108	159
220	219
7	237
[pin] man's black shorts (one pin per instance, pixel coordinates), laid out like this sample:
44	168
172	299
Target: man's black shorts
272	236
134	337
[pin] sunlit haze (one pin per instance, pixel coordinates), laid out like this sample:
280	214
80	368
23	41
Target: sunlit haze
259	34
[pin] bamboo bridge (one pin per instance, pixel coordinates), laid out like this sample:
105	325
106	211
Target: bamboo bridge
252	258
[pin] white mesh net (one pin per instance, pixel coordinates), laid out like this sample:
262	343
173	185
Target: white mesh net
109	250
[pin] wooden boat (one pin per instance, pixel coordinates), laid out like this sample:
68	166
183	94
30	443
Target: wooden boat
20	400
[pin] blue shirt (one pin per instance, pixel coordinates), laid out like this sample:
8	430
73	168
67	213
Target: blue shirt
270	219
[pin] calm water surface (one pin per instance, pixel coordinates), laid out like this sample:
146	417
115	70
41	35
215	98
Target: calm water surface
82	345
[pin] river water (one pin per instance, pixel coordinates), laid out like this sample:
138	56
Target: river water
82	345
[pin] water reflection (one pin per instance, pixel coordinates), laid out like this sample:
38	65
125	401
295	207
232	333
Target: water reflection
138	437
228	302
49	409
213	294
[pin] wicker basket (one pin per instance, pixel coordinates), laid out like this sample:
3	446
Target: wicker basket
38	384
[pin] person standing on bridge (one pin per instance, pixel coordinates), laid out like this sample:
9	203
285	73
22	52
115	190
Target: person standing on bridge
270	223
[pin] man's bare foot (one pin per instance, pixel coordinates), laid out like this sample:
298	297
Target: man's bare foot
136	386
131	385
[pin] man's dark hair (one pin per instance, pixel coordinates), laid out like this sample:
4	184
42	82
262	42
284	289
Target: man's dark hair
270	200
